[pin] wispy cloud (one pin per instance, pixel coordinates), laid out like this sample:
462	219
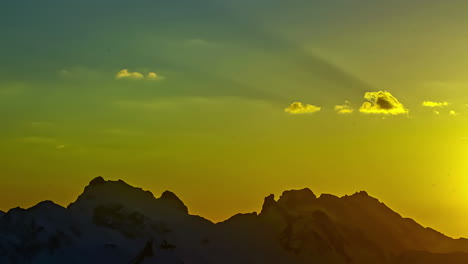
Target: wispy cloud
300	108
39	140
382	102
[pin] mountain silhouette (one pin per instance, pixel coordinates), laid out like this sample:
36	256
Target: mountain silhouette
113	222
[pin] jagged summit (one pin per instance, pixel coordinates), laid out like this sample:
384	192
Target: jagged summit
297	197
291	199
170	197
101	192
268	203
96	181
305	197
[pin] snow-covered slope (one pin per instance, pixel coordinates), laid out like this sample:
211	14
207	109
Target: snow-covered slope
113	222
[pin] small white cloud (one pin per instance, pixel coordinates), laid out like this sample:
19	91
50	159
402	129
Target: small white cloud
344	109
125	74
453	113
300	108
59	147
435	104
153	76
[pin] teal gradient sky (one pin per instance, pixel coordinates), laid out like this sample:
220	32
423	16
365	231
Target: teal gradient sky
212	127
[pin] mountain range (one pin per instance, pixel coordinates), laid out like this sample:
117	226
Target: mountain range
113	222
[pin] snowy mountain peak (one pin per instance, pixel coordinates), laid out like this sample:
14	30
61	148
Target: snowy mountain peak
108	194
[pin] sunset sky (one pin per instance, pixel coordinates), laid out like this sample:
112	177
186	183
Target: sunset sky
224	102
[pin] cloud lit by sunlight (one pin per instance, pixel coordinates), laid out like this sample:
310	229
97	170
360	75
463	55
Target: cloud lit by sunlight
153	76
344	109
300	108
434	104
130	75
382	102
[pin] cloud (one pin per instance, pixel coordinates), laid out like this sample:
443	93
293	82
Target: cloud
300	108
153	76
453	113
344	109
436	112
382	102
125	74
434	104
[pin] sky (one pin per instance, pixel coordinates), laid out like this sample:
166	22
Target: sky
224	102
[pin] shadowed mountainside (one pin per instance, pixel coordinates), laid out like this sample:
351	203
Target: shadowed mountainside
113	222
